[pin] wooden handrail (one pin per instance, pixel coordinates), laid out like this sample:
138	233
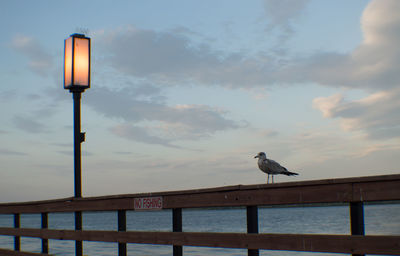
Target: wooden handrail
361	189
292	242
19	253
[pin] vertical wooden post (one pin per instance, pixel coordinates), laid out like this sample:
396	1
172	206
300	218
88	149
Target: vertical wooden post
17	239
45	224
357	220
78	226
177	227
252	226
122	228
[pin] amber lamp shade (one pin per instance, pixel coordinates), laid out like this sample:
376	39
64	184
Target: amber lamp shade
77	63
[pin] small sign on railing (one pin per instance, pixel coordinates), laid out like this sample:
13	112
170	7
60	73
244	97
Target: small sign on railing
148	203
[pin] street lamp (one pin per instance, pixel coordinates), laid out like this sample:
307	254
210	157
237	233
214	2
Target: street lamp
77	80
77	63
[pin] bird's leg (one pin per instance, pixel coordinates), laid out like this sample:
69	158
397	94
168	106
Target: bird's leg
268	179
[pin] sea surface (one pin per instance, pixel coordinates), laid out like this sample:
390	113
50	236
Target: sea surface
380	219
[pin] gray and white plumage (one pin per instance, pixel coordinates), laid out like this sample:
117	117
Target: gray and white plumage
271	167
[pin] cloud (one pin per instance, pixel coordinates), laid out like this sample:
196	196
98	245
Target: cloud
122	152
156	122
147	52
363	165
321	145
126	105
173	59
8	95
327	104
29	125
376	114
372	65
380	22
8	152
40	61
140	134
282	13
371	149
34	116
269	133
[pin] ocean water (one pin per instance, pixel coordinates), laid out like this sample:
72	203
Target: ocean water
379	220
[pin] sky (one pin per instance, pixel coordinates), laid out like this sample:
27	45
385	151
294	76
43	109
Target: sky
185	93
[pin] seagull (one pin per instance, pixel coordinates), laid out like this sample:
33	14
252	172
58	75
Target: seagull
269	166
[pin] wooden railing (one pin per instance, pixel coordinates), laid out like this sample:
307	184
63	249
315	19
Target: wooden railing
352	191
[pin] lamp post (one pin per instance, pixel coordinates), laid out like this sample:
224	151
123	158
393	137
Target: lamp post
77	80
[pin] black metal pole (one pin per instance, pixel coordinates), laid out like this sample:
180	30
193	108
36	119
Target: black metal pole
78	139
77	144
252	226
177	227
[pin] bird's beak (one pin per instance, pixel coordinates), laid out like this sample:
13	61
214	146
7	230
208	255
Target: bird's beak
256	156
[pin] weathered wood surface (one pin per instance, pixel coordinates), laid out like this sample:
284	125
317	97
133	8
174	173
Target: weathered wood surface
5	252
361	189
292	242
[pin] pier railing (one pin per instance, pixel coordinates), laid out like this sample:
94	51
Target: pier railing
352	191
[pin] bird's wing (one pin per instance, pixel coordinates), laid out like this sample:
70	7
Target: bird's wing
275	166
263	165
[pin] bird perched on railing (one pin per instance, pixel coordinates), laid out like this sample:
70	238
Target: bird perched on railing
271	167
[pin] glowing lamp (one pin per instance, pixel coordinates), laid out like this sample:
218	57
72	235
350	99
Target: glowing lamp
77	63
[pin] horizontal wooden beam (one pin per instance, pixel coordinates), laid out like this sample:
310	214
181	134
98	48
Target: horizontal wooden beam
291	242
361	189
20	253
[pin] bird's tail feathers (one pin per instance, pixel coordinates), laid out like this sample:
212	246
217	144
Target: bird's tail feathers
290	173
